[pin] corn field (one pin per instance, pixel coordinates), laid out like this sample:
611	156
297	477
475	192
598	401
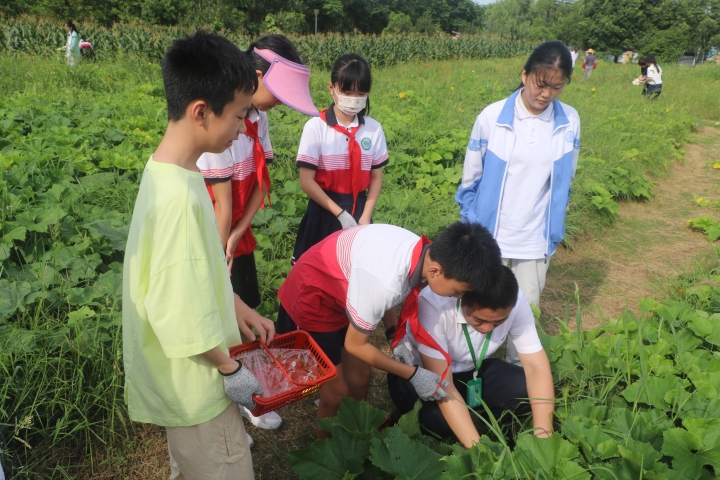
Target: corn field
42	37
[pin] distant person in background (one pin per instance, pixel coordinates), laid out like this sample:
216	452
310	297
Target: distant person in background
519	165
72	48
86	49
574	56
590	63
653	80
642	63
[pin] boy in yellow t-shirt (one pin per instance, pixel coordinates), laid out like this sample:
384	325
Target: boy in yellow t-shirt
180	315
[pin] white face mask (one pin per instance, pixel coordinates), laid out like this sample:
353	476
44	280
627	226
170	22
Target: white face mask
350	105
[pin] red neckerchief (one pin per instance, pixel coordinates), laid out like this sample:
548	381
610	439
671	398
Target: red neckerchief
409	313
354	152
263	176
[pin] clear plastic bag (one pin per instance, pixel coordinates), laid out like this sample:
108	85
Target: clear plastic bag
298	363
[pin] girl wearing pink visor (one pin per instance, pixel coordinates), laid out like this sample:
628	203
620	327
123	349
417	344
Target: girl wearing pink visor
238	179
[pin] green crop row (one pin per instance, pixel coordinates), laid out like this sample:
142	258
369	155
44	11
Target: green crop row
43	37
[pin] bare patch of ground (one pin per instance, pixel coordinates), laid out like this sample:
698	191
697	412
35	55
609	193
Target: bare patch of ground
649	243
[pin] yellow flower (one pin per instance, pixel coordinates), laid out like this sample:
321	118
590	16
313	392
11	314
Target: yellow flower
593	89
461	110
452	88
137	128
667	110
401	95
688	223
716	165
699	199
53	73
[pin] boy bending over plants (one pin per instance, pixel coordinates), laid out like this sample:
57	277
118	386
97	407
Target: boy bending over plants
470	330
180	316
339	290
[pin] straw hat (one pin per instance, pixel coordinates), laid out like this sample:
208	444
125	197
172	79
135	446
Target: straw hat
289	82
589	50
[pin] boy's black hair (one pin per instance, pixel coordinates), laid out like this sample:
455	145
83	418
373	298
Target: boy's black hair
546	57
278	44
208	67
500	293
352	72
468	253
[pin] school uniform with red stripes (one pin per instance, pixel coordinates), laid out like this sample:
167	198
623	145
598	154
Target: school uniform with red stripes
342	158
244	164
355	276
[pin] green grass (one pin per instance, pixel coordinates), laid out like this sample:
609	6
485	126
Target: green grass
72	145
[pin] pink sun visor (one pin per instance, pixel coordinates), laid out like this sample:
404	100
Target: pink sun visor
289	82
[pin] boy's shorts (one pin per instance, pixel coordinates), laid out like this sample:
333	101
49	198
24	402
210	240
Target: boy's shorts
331	343
215	450
244	279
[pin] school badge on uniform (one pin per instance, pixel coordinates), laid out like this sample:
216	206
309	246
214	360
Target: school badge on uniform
366	143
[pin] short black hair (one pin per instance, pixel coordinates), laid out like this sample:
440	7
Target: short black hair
208	67
548	56
468	253
276	43
501	293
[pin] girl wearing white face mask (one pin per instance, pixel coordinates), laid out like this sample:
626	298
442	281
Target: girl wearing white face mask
340	157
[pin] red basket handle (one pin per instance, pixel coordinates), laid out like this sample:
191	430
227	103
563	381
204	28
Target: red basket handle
302	384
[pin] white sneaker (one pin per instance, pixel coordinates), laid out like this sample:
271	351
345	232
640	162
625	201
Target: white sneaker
269	421
250	440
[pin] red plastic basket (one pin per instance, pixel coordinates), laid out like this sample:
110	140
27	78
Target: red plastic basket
295	340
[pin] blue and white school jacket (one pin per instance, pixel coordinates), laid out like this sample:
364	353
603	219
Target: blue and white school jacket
486	161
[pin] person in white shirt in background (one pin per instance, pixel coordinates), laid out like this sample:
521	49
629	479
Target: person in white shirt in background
574	56
72	48
653	79
519	165
470	330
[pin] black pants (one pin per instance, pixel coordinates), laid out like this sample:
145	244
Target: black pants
503	389
244	279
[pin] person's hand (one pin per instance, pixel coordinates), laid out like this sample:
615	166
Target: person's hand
232	243
365	220
426	383
402	354
241	385
247	319
346	220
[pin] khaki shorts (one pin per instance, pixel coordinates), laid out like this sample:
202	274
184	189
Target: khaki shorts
215	450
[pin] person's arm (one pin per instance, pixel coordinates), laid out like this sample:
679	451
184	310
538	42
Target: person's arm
358	344
220	360
222	191
454	409
472	171
372	197
541	391
239	229
247	319
313	190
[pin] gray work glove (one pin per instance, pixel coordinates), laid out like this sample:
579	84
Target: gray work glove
425	382
402	354
241	385
346	220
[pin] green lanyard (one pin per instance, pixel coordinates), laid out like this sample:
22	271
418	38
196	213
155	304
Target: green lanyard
472	350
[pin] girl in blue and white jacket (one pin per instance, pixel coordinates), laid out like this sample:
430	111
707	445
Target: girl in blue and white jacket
519	165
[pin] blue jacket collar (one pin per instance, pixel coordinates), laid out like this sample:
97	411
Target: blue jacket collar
507	115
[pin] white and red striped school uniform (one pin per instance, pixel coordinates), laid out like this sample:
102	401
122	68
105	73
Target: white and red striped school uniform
326	147
240	165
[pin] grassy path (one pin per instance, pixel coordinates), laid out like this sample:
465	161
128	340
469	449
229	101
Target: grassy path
648	244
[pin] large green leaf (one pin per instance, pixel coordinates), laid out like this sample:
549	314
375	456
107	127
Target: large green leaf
330	459
480	461
695	447
355	416
398	454
547	455
706	327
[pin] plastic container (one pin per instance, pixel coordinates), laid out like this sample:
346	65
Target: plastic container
293	340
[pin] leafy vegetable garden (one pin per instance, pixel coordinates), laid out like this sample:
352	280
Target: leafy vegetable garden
638	398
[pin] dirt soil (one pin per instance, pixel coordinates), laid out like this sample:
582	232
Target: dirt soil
649	243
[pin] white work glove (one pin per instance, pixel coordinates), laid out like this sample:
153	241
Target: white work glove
241	385
402	354
426	382
346	220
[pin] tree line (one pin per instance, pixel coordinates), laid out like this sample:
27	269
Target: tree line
664	28
255	16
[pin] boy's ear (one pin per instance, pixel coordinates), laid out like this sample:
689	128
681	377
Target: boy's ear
198	111
434	270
